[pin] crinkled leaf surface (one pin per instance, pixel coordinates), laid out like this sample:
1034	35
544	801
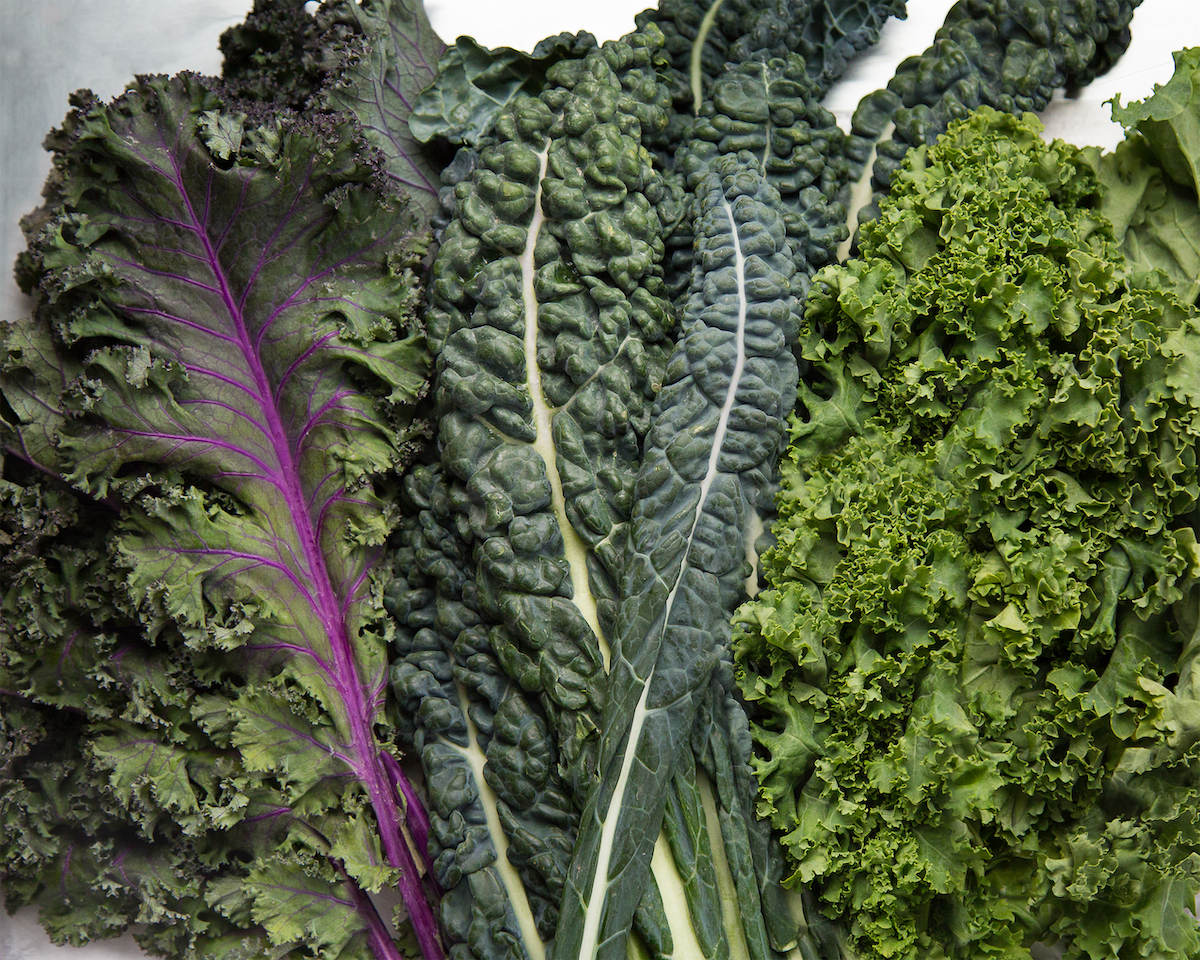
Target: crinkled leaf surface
392	57
227	312
983	604
474	84
1152	179
717	428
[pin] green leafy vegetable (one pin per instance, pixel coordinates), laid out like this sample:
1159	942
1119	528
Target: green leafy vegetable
703	35
717	426
1010	55
972	672
474	84
502	820
370	59
769	108
550	324
258	570
392	55
1151	180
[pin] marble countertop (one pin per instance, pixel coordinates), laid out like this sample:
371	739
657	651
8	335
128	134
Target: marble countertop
56	46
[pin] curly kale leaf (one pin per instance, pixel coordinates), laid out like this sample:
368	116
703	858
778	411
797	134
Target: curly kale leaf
1152	179
275	56
370	59
716	433
970	675
222	356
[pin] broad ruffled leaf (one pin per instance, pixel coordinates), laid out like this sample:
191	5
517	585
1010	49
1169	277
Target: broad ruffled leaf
388	53
227	309
1152	179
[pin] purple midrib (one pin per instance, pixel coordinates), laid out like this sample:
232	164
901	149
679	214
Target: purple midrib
323	596
329	601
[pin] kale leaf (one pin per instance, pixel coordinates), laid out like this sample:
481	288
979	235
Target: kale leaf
970	675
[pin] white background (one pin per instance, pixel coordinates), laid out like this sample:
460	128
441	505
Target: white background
49	48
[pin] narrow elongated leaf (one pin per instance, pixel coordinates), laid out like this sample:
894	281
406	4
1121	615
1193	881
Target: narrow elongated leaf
502	819
549	317
718	427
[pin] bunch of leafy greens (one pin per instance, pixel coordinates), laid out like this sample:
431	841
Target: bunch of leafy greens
283	530
974	675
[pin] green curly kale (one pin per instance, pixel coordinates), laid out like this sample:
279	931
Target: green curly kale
1152	179
973	679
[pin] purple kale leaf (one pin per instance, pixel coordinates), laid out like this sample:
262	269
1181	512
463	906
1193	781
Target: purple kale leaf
223	354
389	54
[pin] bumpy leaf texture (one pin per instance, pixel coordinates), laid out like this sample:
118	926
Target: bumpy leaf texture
549	317
1007	54
222	356
703	35
474	84
550	328
970	674
717	429
503	821
769	108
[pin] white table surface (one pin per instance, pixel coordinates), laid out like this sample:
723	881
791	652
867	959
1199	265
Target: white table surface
49	48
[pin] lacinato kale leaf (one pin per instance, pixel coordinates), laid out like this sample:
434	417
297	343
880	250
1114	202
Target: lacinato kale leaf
711	449
971	674
769	108
224	356
703	35
549	316
503	820
474	84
